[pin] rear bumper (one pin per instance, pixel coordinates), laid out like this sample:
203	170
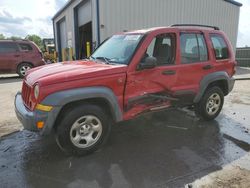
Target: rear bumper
30	118
231	82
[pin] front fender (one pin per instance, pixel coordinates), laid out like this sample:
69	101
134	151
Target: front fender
62	98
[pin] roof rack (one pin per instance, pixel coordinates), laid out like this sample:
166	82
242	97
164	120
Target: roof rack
15	39
196	25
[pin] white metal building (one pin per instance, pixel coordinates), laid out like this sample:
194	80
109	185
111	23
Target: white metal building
81	21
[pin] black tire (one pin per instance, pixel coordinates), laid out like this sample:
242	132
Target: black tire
22	68
66	132
214	108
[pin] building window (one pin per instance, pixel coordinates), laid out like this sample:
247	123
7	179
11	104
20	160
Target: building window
220	47
193	48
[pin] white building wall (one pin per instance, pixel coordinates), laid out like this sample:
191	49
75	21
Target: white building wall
120	15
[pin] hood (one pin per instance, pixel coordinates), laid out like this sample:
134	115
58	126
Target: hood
72	70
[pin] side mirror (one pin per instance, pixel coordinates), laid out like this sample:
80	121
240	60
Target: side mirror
149	63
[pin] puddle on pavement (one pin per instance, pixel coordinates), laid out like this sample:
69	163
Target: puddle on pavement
168	148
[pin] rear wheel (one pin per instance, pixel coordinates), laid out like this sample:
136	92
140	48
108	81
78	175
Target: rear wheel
23	68
210	104
83	130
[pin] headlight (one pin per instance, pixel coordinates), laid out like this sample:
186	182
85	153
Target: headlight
36	91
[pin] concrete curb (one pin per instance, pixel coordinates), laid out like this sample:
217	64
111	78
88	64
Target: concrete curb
242	78
9	133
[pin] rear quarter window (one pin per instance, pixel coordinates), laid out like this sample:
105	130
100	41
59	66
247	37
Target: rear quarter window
25	47
220	47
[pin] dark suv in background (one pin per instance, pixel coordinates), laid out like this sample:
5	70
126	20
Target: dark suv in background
18	56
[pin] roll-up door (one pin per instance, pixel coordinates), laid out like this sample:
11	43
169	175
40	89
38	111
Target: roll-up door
84	14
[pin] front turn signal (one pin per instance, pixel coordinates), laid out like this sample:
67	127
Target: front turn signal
43	107
40	124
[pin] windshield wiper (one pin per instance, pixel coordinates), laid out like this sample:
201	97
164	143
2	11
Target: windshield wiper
106	60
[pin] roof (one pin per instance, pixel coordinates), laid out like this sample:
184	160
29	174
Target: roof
234	2
144	31
14	40
63	8
71	1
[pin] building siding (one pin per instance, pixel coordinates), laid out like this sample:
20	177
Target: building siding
120	15
123	15
68	14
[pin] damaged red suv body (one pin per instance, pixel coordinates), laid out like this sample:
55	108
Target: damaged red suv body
130	74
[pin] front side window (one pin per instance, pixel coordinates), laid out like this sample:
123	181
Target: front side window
162	47
8	47
118	49
220	47
25	47
193	48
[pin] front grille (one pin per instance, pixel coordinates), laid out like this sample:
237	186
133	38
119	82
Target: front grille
26	91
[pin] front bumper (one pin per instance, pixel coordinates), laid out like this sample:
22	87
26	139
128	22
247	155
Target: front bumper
26	117
30	118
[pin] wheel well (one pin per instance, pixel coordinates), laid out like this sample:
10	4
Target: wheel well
94	101
222	84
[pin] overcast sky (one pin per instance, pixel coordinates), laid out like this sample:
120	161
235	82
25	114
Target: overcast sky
22	17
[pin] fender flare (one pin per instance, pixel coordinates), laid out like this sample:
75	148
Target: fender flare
62	98
208	79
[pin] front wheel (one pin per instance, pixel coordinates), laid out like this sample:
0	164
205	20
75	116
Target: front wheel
83	130
210	104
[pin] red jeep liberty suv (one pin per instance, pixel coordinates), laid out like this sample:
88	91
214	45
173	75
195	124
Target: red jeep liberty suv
129	74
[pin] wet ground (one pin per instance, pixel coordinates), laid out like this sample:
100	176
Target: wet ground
8	89
167	149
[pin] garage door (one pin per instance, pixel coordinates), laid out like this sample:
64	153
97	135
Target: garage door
61	37
84	13
62	28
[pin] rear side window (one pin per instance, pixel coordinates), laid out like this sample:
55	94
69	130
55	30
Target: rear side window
25	47
220	47
8	47
193	48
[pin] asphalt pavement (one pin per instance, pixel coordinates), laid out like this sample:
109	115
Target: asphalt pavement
172	148
167	149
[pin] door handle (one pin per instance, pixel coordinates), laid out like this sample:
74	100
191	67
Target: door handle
168	72
207	67
16	55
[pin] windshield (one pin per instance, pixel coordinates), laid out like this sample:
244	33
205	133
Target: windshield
117	49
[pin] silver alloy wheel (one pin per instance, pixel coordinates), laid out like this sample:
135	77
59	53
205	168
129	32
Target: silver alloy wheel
86	131
24	69
213	104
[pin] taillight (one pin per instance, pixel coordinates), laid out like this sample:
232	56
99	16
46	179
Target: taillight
234	68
